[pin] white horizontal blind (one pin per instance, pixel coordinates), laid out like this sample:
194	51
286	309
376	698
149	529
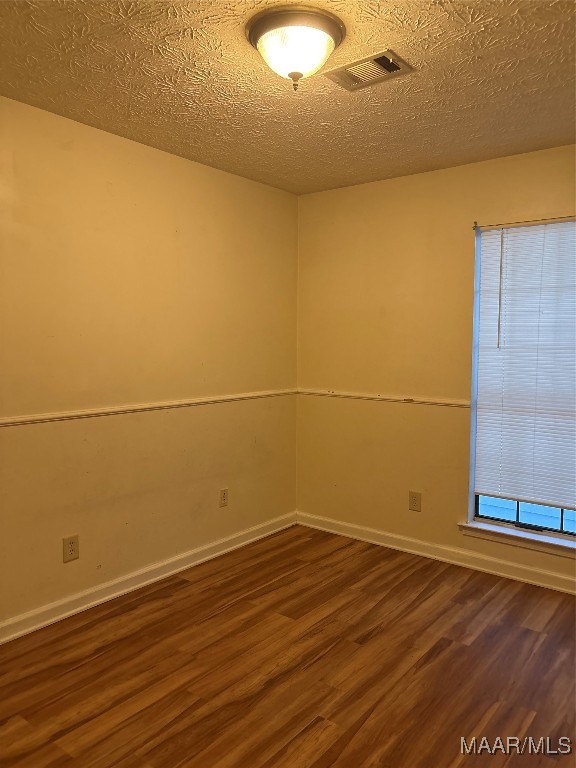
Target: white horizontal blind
526	364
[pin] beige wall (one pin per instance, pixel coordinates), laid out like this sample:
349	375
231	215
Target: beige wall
385	308
132	276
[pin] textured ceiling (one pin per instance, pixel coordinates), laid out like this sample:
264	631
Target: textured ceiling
492	78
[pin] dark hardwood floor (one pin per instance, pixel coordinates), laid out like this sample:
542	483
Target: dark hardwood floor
303	650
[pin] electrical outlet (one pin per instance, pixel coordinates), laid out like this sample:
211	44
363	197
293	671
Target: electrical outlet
224	497
70	548
414	501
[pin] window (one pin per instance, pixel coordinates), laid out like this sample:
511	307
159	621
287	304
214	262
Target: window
524	390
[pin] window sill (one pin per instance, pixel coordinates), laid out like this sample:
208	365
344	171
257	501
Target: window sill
542	542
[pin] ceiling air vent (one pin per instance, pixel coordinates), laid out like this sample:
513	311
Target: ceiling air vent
375	69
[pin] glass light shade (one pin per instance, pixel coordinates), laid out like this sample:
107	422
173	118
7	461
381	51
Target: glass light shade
295	50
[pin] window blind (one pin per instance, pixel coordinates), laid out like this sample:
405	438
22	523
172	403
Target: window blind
525	393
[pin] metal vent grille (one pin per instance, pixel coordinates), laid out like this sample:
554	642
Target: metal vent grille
370	71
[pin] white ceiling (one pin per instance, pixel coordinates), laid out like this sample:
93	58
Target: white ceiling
492	78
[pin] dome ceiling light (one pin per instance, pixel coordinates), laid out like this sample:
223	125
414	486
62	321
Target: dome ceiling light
295	41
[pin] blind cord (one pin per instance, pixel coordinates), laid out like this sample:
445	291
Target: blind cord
500	286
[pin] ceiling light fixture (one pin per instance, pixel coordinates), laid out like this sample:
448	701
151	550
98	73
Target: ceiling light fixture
295	41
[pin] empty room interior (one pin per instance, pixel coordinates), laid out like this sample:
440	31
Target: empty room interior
287	384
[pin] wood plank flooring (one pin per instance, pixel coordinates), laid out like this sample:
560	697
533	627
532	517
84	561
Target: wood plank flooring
303	650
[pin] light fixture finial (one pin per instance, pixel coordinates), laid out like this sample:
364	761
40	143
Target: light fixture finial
295	77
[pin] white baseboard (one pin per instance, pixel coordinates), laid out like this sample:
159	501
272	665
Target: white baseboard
81	601
454	555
